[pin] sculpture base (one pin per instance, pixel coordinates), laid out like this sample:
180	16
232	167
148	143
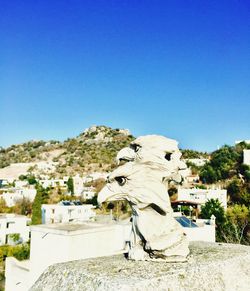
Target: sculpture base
210	266
175	253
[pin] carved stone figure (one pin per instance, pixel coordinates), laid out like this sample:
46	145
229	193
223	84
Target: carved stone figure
152	162
157	150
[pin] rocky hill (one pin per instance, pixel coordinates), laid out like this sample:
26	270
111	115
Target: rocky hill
93	150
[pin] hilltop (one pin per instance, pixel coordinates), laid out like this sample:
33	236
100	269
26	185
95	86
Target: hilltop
92	150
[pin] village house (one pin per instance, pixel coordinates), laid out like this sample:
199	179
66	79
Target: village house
3	183
246	157
201	196
78	185
88	192
12	195
13	224
94	176
67	211
54	182
198	230
197	162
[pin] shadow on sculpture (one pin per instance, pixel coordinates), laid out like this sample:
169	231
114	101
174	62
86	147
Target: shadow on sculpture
148	165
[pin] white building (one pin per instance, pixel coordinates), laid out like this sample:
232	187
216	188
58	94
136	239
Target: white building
66	212
12	195
246	157
54	182
192	178
21	184
78	183
3	183
201	196
56	243
88	192
94	176
12	224
197	162
200	230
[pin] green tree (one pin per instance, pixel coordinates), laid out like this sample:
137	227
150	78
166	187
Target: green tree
45	195
59	191
234	190
191	154
22	177
225	160
70	185
245	195
93	201
213	207
3	207
15	237
31	180
195	169
22	252
224	164
235	229
245	171
36	207
239	192
23	206
208	175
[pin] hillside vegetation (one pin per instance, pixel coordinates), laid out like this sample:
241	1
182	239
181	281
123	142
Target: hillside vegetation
30	151
93	150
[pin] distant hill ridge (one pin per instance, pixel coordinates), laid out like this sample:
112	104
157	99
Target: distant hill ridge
93	150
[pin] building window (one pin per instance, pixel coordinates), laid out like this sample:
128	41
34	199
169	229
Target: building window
9	223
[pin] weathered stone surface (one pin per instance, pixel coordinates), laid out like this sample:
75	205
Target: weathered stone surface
210	266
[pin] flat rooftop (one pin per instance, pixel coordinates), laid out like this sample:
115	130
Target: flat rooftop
11	215
73	228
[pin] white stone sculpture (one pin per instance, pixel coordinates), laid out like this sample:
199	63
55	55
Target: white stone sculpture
152	162
156	150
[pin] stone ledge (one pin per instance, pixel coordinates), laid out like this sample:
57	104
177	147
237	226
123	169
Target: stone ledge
210	266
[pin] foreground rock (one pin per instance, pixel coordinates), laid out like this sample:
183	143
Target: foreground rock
210	266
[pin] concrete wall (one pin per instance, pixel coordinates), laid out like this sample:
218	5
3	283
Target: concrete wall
16	275
57	243
203	233
53	245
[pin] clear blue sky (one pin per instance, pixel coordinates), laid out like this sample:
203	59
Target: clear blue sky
177	68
